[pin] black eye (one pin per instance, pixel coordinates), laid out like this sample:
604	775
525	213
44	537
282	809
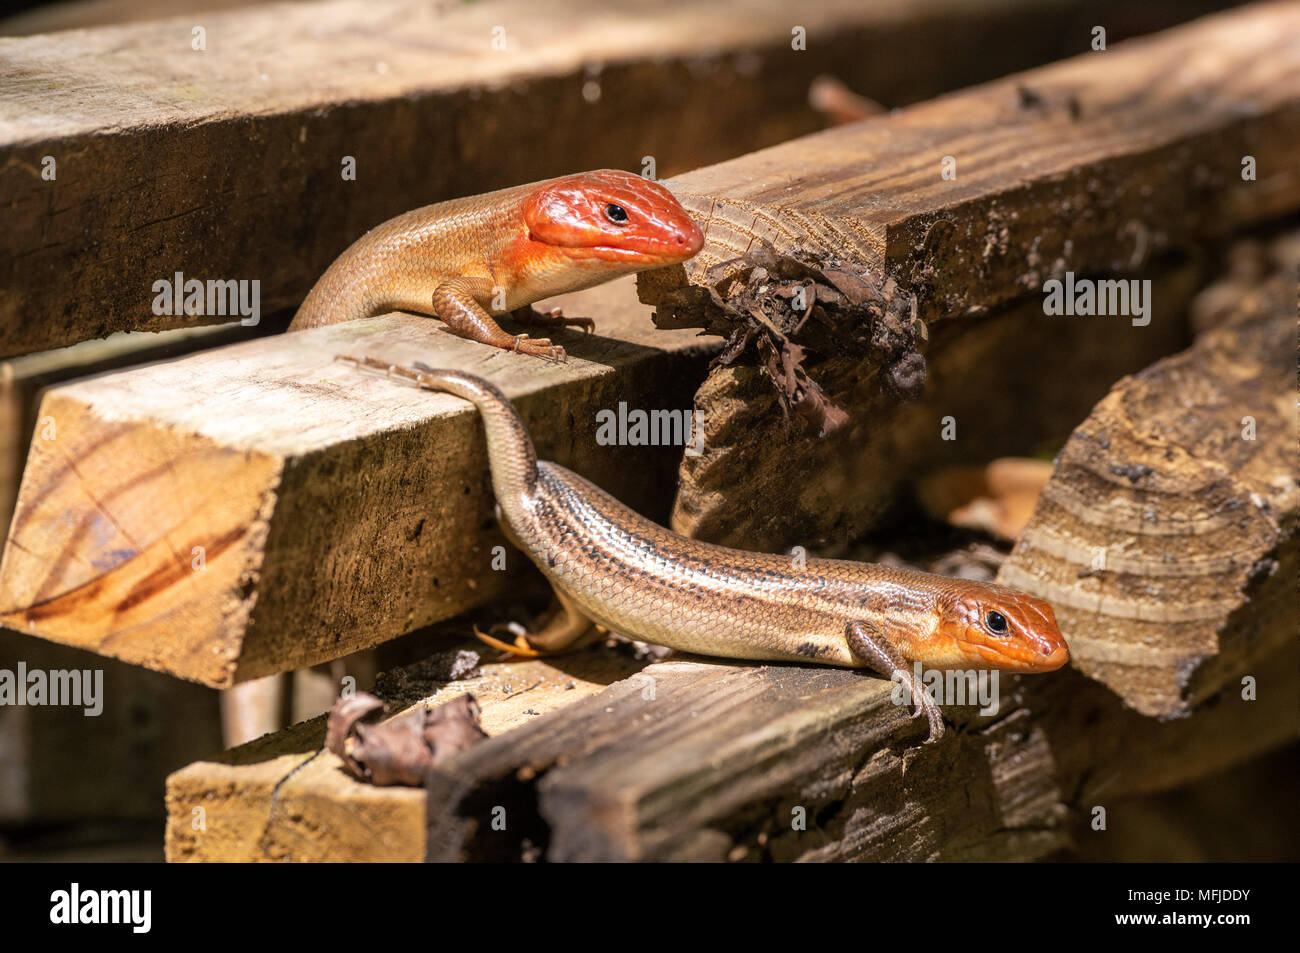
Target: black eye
997	623
616	213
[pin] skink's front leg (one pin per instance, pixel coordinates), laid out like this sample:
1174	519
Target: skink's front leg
870	645
454	301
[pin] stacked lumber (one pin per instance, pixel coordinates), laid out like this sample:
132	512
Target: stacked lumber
296	127
244	511
967	205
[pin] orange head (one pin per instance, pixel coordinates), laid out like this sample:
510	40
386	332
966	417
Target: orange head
611	216
998	627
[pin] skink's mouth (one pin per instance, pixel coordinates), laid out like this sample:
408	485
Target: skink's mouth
665	256
1029	663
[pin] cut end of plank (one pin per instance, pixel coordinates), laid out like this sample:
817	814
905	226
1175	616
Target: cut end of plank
137	543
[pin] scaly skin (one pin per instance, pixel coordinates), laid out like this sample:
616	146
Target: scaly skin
468	259
613	567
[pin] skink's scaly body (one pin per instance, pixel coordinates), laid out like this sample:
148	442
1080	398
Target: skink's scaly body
611	566
469	259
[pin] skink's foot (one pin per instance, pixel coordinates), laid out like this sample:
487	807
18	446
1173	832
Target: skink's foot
925	704
541	347
518	647
563	628
551	319
870	645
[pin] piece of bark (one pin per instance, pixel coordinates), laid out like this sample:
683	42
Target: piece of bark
187	535
994	388
1166	538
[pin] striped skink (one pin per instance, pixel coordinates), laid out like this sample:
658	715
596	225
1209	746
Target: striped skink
611	567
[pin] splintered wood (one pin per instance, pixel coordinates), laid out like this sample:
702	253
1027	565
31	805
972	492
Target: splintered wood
1105	163
1166	538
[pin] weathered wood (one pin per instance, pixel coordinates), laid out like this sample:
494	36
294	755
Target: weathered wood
1116	157
169	159
261	507
1166	537
283	798
700	760
1126	153
995	387
715	765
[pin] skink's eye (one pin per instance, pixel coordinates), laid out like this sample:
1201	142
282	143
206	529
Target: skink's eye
616	213
997	623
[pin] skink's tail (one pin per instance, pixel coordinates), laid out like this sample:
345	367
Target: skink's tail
510	449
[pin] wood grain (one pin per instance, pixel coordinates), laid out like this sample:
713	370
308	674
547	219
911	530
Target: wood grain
335	510
23	381
1146	165
225	163
1166	537
691	759
1126	153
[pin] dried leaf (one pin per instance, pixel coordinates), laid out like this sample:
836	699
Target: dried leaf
402	749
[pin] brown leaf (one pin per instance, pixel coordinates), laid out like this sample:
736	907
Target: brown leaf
402	749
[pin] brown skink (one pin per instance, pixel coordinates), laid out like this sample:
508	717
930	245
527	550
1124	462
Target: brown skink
469	259
611	567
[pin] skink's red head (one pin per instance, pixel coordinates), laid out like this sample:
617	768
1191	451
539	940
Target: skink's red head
999	627
612	216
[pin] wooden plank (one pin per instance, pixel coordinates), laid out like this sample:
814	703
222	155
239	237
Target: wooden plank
155	142
1146	162
284	798
1172	514
993	389
1122	154
225	163
704	760
23	381
644	780
261	507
